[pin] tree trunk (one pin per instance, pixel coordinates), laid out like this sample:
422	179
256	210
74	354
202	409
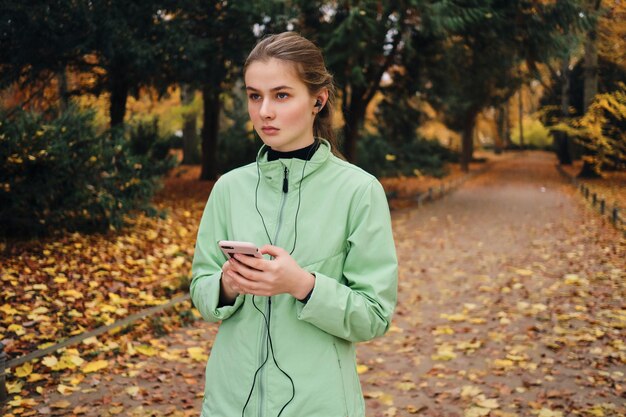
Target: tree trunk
354	114
119	96
210	130
561	139
590	85
63	94
590	69
191	150
467	148
520	108
500	143
506	132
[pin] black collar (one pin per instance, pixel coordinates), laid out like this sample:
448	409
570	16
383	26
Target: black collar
305	153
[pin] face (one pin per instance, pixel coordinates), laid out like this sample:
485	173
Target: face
280	106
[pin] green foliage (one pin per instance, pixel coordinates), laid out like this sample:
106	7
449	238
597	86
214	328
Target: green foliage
146	141
60	174
536	135
236	145
602	130
417	156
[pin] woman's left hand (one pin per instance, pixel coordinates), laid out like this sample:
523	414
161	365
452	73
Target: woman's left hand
270	277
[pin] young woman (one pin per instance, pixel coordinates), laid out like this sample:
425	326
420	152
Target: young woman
285	346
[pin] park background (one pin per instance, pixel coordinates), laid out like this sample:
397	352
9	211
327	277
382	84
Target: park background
116	118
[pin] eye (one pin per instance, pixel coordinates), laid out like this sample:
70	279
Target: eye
254	96
282	96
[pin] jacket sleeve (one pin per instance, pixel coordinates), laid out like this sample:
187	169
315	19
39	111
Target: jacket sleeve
360	306
206	269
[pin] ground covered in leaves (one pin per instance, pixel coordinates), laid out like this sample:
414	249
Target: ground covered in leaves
510	304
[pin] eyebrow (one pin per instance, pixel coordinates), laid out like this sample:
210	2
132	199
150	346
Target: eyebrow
280	87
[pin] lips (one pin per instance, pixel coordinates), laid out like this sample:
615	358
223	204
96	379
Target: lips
270	130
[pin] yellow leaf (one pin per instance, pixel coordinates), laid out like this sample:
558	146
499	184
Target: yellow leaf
77	379
60	404
50	361
35	377
361	369
444	353
130	349
8	310
132	391
490	403
443	330
503	363
197	354
470	391
24	370
177	262
14	387
95	366
476	412
386	399
147	350
116	410
70	294
406	386
454	317
66	390
22	402
91	341
171	250
17	329
413	409
60	280
545	412
524	272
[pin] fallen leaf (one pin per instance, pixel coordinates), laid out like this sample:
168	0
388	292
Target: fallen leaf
95	366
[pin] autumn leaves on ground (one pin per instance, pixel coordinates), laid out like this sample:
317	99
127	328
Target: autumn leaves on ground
511	303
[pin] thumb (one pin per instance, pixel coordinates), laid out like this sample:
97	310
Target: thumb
272	250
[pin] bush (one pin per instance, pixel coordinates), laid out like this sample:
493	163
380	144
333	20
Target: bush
60	174
414	157
236	145
536	135
601	131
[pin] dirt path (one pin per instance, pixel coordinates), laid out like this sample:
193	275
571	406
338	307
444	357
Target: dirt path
511	303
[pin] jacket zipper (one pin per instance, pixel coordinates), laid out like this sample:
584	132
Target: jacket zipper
268	305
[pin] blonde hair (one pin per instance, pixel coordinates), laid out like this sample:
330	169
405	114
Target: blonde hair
308	63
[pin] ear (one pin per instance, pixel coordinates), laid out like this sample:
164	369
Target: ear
321	97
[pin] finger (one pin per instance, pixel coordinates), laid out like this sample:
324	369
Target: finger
250	262
273	251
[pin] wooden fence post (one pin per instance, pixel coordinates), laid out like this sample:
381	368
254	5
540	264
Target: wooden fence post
3	362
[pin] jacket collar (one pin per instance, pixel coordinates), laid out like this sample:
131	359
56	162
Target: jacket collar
273	171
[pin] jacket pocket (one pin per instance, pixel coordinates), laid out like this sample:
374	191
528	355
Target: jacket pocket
342	379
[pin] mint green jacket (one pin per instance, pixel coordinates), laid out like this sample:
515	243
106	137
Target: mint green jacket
344	238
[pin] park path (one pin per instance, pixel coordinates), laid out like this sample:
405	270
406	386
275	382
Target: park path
511	303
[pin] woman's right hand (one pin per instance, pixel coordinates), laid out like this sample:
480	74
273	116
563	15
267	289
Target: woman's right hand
229	289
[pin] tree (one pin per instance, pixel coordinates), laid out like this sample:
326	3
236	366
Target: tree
361	41
213	39
120	44
572	88
485	43
602	130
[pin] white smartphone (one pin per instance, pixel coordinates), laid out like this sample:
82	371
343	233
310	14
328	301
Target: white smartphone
231	247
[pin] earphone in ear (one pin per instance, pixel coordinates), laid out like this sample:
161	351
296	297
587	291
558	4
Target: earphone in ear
318	103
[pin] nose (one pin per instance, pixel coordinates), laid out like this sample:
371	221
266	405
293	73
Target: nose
266	111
